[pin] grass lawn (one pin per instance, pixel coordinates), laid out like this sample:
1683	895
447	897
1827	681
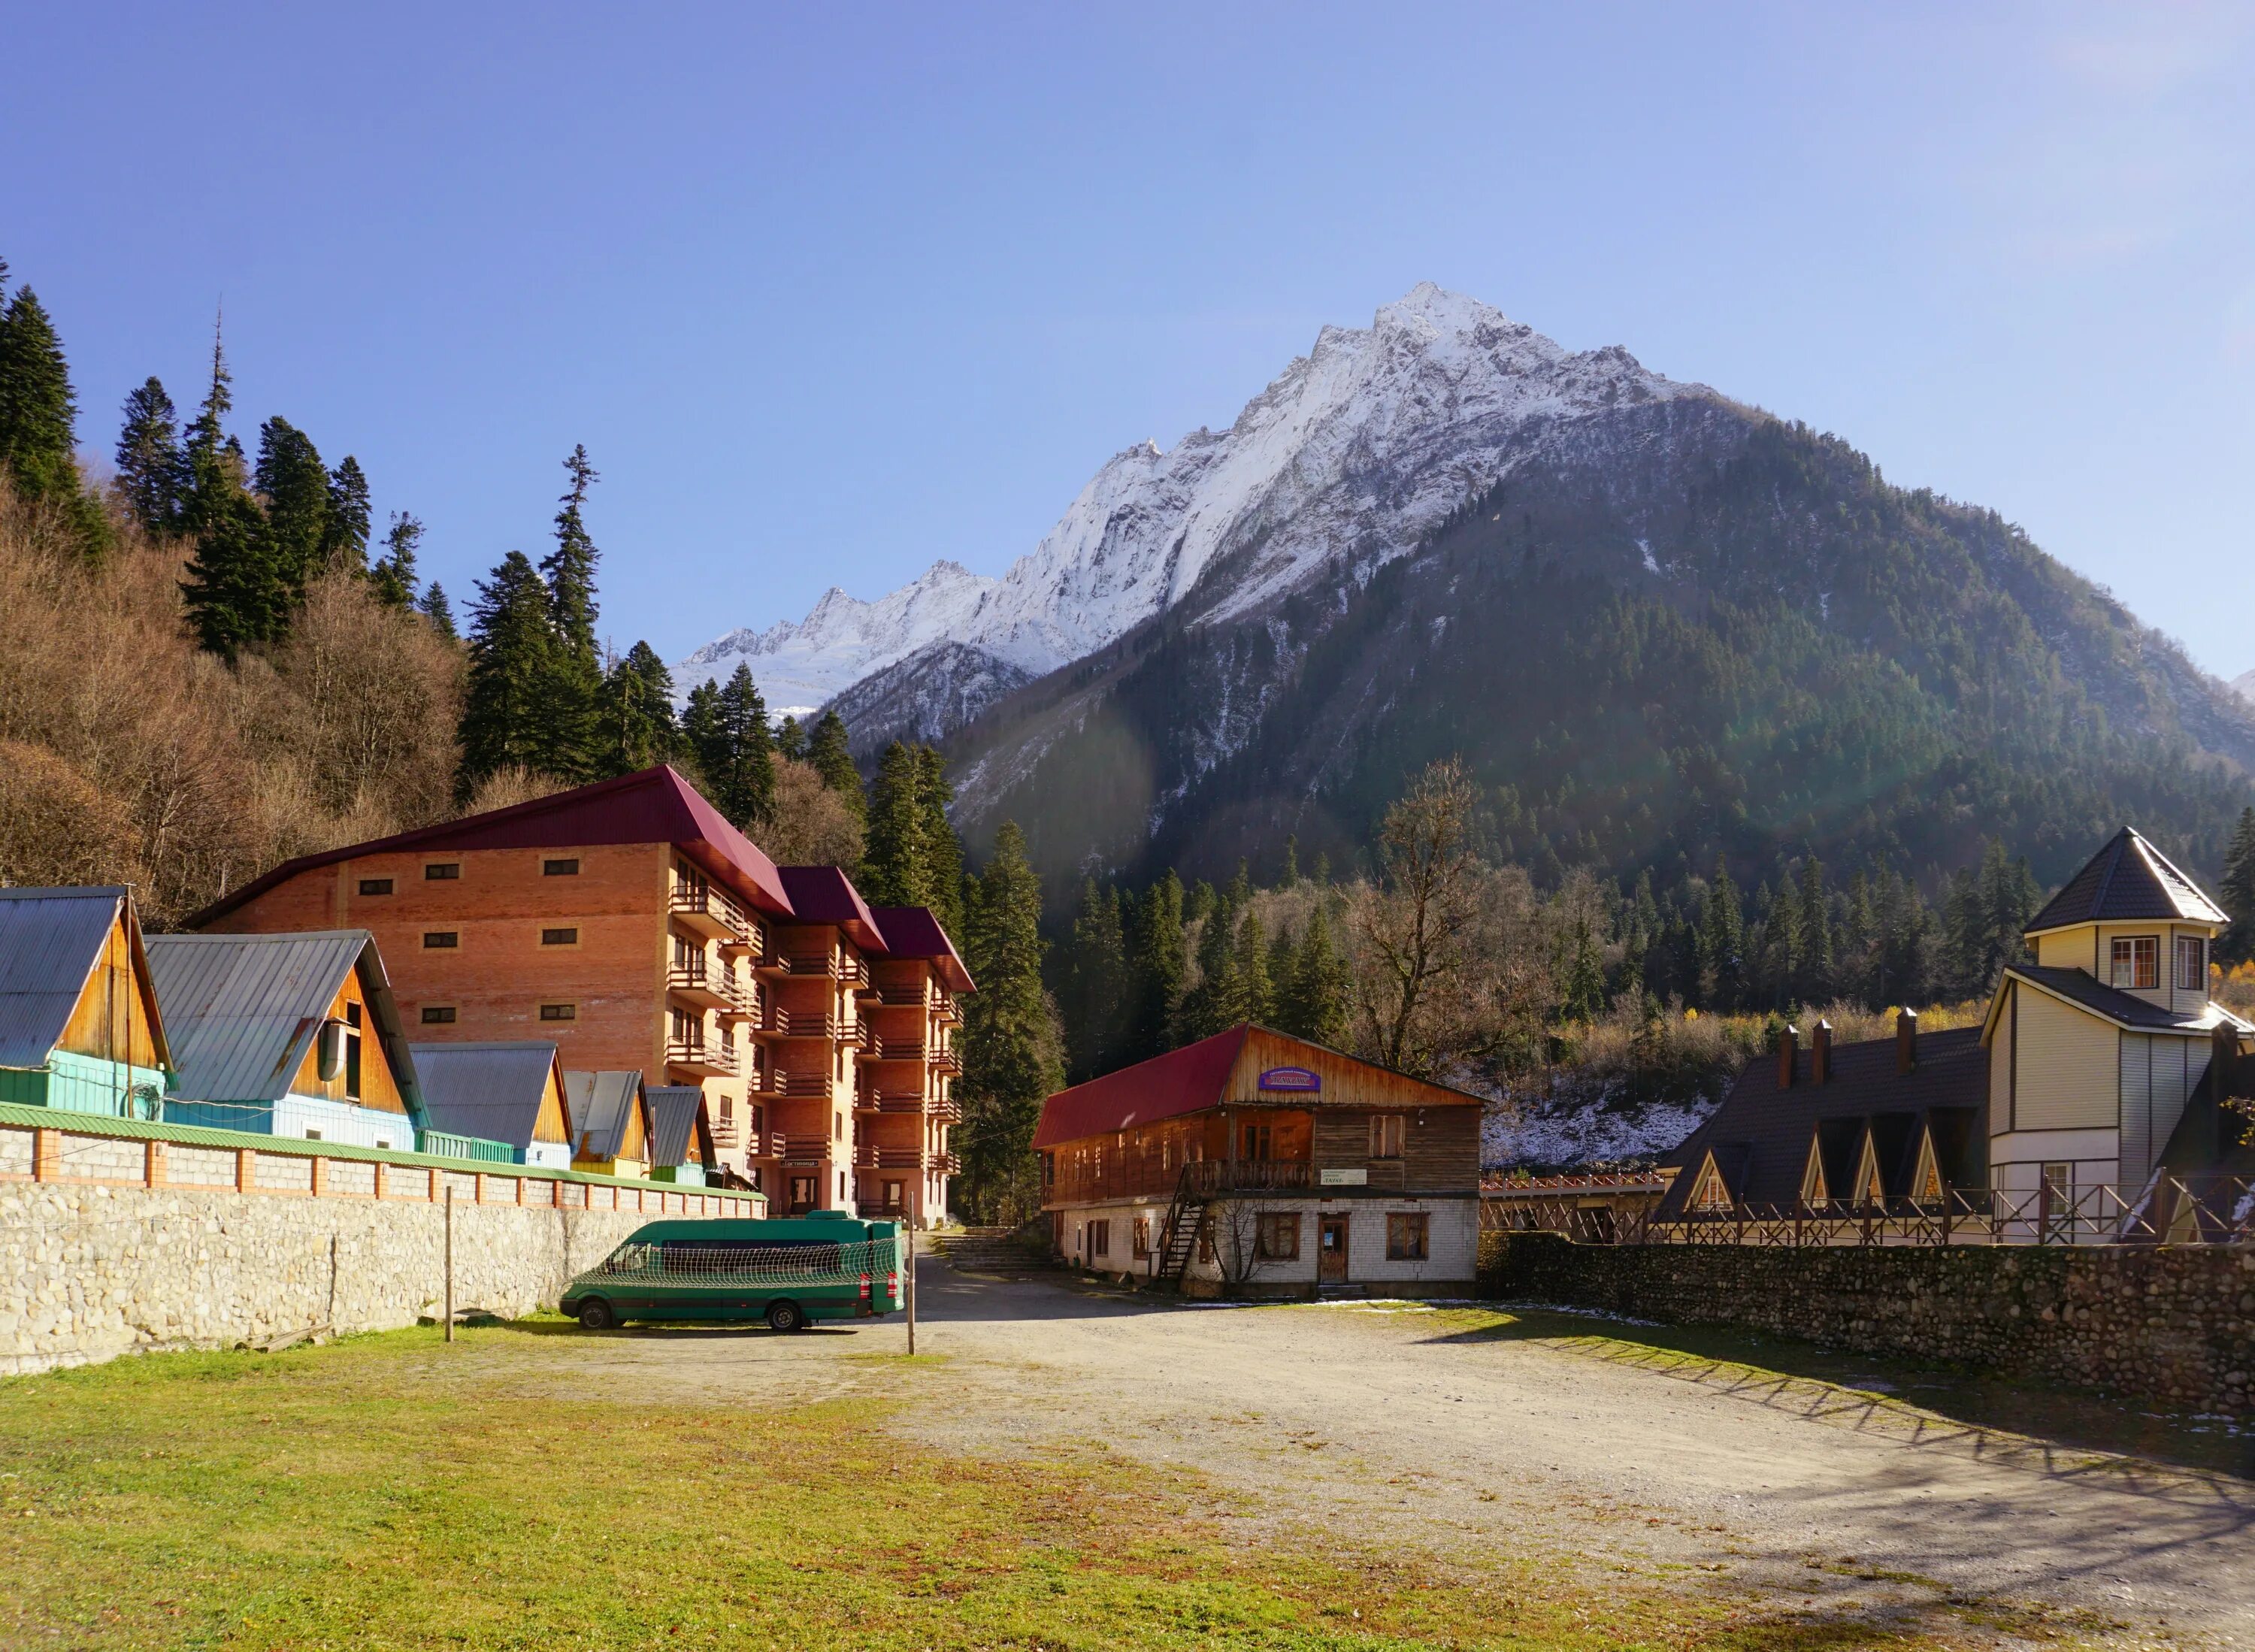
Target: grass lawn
394	1491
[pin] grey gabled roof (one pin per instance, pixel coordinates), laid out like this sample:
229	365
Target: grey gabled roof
674	1109
243	1010
2127	1009
2127	880
50	942
491	1091
602	1107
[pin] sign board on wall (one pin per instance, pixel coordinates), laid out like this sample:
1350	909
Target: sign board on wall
1294	1080
1356	1178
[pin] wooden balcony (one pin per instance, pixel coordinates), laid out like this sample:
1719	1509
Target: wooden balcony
700	1060
896	1102
798	1023
791	1084
947	1061
803	964
899	1049
802	1148
945	1164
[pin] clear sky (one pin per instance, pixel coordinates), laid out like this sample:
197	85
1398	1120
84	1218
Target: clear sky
831	291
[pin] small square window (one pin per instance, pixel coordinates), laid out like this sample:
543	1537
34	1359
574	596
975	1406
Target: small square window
559	1012
1280	1236
442	871
559	938
1387	1131
1407	1236
438	940
376	886
437	1015
560	869
2137	962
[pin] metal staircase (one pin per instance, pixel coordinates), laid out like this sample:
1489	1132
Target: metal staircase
1186	1218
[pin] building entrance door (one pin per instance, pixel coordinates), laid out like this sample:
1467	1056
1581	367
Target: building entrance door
1330	1251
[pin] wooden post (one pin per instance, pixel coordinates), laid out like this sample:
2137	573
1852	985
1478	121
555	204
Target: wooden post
450	1261
910	1283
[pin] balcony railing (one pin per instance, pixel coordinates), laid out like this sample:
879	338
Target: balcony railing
945	1164
700	984
707	909
724	1132
901	1049
897	1100
807	963
707	1060
802	1148
947	1061
791	1084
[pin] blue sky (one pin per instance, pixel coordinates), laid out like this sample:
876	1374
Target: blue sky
829	292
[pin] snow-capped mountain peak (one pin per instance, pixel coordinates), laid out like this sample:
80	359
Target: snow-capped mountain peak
1351	454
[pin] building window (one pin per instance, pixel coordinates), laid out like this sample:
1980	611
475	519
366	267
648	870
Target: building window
560	869
559	938
1100	1237
376	886
2137	962
1386	1134
1259	1139
2192	964
559	1012
439	940
1049	1169
1407	1236
442	871
1279	1237
1141	1237
437	1015
802	1192
352	1053
2055	1200
892	1195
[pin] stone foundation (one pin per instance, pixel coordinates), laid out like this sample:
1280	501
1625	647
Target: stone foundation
2171	1325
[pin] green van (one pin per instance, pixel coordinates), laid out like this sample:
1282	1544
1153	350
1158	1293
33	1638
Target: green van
828	1265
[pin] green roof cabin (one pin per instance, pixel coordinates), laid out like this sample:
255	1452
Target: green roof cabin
294	1036
79	1023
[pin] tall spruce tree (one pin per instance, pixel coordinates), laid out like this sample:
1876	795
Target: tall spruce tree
1726	937
1156	975
2236	945
1012	1051
942	849
1095	984
636	716
295	486
393	576
151	469
235	596
1818	970
512	649
1315	1007
1253	995
344	545
726	730
893	864
826	749
790	743
435	608
574	664
39	422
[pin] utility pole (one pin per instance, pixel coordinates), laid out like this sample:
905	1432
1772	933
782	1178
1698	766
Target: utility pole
450	1261
910	1225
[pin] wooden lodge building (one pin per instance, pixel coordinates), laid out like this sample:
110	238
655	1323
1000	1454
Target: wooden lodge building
2098	1073
80	1024
634	927
1254	1164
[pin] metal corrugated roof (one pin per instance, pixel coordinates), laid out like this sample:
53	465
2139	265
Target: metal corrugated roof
602	1105
241	1010
673	1110
50	941
492	1091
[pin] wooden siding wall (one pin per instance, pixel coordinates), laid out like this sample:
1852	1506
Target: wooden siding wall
550	1126
1346	1081
379	1085
112	1018
2067	1074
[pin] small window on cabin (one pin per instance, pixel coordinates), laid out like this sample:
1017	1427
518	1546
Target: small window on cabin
376	886
442	871
352	1058
1387	1131
560	868
559	1012
1279	1236
437	1015
2137	962
440	940
352	1014
1408	1236
313	1136
1259	1142
1142	1237
559	938
2192	964
1100	1237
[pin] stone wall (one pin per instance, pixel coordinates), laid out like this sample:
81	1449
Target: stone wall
2172	1325
87	1273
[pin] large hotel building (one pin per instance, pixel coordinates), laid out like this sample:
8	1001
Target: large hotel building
632	924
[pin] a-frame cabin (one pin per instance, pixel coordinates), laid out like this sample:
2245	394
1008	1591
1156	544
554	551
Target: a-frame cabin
80	1027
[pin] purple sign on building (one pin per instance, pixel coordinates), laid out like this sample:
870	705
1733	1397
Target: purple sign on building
1297	1081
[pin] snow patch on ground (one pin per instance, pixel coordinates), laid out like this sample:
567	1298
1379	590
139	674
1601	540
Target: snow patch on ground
1579	1128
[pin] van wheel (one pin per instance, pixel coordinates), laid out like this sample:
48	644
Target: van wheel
596	1315
786	1315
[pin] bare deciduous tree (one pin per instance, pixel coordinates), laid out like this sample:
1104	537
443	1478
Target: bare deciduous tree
813	825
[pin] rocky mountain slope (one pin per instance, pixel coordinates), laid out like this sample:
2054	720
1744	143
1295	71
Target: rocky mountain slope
2243	686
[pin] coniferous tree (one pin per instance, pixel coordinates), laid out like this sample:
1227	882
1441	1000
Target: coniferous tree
295	486
942	850
1011	1048
152	470
394	577
636	719
1583	980
790	742
1725	931
726	726
1818	970
1252	991
826	749
893	869
234	596
574	664
1096	984
38	421
2236	944
1317	1008
1156	977
345	543
435	608
512	666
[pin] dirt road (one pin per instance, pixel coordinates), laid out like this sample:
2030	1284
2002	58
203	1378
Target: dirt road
1459	1432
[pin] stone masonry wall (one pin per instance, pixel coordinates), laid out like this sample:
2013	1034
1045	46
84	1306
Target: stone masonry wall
87	1273
2172	1325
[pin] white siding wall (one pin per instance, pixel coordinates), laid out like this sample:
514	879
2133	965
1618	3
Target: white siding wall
2069	1068
1452	1235
313	1118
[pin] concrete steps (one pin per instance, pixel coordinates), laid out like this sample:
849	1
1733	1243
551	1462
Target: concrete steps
987	1250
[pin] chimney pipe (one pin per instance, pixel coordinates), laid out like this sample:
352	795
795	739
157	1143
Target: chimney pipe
1788	1042
1820	1053
1906	1040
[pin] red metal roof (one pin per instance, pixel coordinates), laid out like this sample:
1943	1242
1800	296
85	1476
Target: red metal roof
913	932
824	894
653	805
1180	1081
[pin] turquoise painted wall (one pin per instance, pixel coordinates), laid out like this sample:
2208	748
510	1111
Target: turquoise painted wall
87	1084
